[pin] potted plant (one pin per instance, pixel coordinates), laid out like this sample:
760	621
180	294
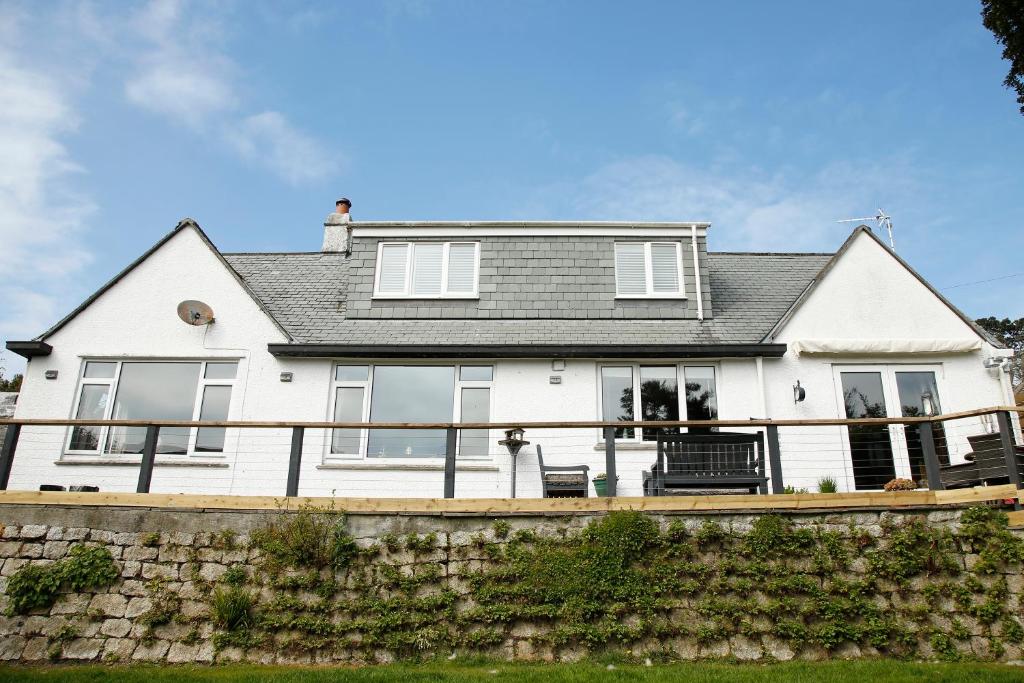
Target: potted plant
899	484
601	484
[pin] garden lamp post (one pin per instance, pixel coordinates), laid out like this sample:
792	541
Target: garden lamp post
514	442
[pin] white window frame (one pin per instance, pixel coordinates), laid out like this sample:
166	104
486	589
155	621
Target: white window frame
112	384
367	386
649	272
680	375
410	259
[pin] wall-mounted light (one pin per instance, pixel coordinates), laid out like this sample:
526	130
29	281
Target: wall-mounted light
927	405
50	374
558	365
286	377
799	393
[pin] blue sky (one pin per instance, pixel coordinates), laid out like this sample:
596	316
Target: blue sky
771	120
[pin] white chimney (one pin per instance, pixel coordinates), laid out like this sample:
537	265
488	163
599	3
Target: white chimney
337	227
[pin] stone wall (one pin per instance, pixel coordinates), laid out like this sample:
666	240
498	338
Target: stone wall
921	584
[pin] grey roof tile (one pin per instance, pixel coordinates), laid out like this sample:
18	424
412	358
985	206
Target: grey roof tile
306	293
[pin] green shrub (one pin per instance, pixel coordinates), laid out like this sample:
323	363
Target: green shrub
232	608
87	567
36	586
32	587
827	485
311	537
235	576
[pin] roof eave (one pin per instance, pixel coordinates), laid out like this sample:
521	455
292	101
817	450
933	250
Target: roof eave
328	350
30	349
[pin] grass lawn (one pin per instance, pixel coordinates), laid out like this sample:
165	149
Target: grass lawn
828	672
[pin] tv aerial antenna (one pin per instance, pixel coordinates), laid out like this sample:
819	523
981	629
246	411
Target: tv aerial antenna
883	220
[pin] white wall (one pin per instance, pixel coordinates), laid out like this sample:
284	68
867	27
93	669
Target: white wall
867	294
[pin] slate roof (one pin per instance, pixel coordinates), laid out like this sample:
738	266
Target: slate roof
305	292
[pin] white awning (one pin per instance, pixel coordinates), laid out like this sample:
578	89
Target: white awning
884	346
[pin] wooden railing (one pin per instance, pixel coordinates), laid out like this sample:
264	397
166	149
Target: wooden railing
771	427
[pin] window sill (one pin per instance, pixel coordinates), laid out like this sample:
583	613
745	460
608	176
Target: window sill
669	297
407	466
406	297
102	461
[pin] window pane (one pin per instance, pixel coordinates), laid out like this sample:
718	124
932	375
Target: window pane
95	369
216	400
701	396
659	399
617	398
221	370
392	266
410	394
665	268
476	407
461	268
91	406
426	269
630	272
870	445
351	373
914	388
154	391
476	373
348	407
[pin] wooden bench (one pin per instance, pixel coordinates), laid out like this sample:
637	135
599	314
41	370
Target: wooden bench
716	460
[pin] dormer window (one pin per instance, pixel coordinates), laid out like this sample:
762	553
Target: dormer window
652	270
427	270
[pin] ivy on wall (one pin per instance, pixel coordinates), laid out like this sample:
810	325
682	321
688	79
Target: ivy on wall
624	583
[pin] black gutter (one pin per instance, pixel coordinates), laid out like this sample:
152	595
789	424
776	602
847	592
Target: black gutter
527	350
30	349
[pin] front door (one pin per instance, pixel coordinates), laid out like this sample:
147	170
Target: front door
879	453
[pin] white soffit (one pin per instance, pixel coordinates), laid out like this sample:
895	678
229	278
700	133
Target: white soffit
883	346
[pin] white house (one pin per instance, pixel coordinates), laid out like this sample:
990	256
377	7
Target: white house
493	322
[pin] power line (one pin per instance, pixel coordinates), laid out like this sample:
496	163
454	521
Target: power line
980	282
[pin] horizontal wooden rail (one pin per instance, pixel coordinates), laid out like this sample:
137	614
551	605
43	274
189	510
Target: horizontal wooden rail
588	424
485	506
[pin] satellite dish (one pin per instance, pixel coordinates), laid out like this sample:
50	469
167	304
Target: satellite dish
195	312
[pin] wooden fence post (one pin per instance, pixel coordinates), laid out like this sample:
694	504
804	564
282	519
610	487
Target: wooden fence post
609	461
451	440
148	456
931	460
7	454
295	462
775	459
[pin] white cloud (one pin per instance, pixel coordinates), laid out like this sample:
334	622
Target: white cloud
43	216
177	73
180	74
752	209
180	91
270	140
